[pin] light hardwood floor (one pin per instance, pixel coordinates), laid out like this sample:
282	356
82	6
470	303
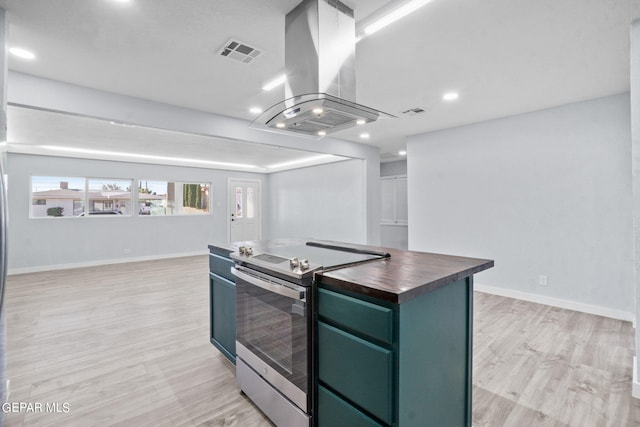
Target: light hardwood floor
127	345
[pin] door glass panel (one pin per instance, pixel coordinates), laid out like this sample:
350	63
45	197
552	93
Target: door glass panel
250	211
238	202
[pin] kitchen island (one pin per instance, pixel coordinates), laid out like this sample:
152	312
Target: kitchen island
393	341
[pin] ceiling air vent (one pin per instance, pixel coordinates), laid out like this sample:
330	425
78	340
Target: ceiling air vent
239	51
413	111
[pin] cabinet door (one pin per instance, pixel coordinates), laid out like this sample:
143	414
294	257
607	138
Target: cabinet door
359	370
223	315
333	411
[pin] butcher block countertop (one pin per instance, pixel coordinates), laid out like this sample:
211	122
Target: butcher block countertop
397	279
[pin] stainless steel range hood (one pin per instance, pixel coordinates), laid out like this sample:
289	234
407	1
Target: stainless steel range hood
320	90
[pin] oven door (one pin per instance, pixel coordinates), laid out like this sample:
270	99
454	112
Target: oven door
273	332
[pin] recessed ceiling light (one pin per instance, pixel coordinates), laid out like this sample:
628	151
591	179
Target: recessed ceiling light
402	153
364	135
275	82
255	110
394	15
322	133
22	53
121	1
317	110
280	125
450	96
361	121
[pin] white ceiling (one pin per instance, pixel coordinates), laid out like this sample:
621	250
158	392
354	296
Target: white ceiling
504	57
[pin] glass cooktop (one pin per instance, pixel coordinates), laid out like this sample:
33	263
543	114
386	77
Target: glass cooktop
320	257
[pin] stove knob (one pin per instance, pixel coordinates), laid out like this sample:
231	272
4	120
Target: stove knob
293	262
304	264
249	251
242	250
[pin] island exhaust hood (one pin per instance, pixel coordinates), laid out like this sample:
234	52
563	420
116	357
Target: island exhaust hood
320	87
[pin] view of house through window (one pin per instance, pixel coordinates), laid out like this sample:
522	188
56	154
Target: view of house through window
56	196
109	196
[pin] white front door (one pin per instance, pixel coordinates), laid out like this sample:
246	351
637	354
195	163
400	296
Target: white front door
244	210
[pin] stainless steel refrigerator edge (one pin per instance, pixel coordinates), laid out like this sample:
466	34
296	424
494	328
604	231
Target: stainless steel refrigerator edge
3	206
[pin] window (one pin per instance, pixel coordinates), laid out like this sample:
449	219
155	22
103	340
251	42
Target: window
57	196
109	196
156	198
394	200
160	198
195	198
54	196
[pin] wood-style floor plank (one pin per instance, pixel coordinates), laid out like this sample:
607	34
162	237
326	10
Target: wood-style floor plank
127	345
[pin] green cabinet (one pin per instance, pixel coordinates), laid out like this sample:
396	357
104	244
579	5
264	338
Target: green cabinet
222	303
390	364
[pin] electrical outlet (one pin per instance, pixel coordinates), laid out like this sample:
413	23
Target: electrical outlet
542	280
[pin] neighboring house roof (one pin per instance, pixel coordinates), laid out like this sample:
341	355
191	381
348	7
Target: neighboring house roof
58	194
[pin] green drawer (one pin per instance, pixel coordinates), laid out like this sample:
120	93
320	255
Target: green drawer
221	266
333	411
358	316
359	370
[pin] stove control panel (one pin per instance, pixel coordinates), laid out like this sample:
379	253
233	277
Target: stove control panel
284	263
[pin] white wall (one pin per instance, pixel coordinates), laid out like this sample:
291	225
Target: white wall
545	193
46	243
399	167
324	202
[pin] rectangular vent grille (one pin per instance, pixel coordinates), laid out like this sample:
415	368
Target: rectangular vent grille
239	51
413	111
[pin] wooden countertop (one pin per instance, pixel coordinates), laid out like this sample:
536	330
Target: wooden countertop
403	276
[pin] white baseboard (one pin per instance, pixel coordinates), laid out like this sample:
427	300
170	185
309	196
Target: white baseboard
37	269
635	386
557	302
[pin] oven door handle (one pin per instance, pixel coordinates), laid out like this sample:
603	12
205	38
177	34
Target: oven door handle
269	286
